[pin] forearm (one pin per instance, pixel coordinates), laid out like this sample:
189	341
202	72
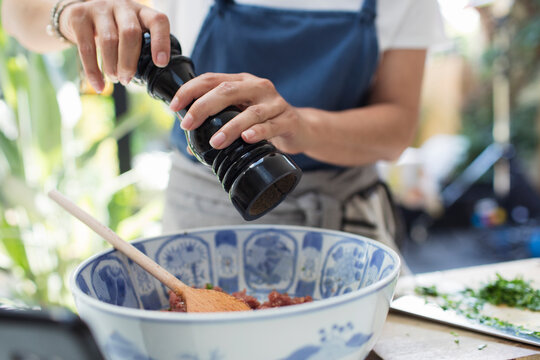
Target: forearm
27	20
379	131
359	136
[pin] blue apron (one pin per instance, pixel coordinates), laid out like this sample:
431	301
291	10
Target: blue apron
321	59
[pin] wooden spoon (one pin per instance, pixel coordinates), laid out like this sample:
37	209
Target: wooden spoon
196	300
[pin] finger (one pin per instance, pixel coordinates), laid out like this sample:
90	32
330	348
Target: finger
243	123
225	94
129	45
158	25
197	87
107	39
84	34
264	131
242	93
70	19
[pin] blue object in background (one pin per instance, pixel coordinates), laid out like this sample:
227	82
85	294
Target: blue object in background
534	244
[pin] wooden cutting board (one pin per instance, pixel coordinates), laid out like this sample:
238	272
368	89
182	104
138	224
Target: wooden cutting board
406	337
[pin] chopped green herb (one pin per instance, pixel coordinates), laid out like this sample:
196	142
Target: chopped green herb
482	346
456	335
209	286
469	303
426	290
514	293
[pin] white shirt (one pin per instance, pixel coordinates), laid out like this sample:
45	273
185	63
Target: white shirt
400	24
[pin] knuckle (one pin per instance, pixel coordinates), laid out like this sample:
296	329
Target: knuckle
265	84
131	32
101	4
281	104
77	11
100	8
257	112
159	18
109	40
227	88
209	77
86	49
76	19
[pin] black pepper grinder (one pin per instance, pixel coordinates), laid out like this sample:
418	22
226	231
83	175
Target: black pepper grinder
256	176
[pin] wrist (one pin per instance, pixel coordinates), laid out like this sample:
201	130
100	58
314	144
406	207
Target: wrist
308	120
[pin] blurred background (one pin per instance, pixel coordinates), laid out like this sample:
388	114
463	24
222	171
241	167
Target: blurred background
467	190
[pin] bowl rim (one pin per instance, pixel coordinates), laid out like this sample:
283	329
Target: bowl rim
263	314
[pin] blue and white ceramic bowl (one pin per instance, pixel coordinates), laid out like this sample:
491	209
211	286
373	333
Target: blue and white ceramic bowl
351	279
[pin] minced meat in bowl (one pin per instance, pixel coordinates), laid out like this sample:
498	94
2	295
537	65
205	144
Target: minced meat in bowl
275	299
350	278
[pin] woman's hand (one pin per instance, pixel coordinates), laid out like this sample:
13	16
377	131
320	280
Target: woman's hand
265	114
114	27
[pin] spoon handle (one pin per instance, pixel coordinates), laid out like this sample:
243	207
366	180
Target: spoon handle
121	245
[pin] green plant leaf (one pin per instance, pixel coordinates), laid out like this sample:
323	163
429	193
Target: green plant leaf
45	114
10	151
12	242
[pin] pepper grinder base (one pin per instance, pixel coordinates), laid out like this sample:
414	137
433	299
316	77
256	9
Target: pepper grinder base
263	185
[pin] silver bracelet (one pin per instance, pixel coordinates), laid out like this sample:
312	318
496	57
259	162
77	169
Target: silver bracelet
53	29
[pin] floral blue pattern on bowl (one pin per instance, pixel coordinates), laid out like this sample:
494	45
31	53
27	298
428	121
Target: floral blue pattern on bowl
351	279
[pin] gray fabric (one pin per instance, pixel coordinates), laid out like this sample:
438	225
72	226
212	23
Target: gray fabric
370	213
195	198
353	200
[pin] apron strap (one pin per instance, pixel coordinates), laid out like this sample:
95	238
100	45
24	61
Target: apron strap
369	9
221	4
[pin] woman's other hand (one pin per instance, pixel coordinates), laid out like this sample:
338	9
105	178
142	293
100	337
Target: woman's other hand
265	114
114	27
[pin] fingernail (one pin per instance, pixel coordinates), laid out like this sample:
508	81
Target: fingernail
217	139
174	104
124	80
186	122
97	86
113	79
162	59
248	134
